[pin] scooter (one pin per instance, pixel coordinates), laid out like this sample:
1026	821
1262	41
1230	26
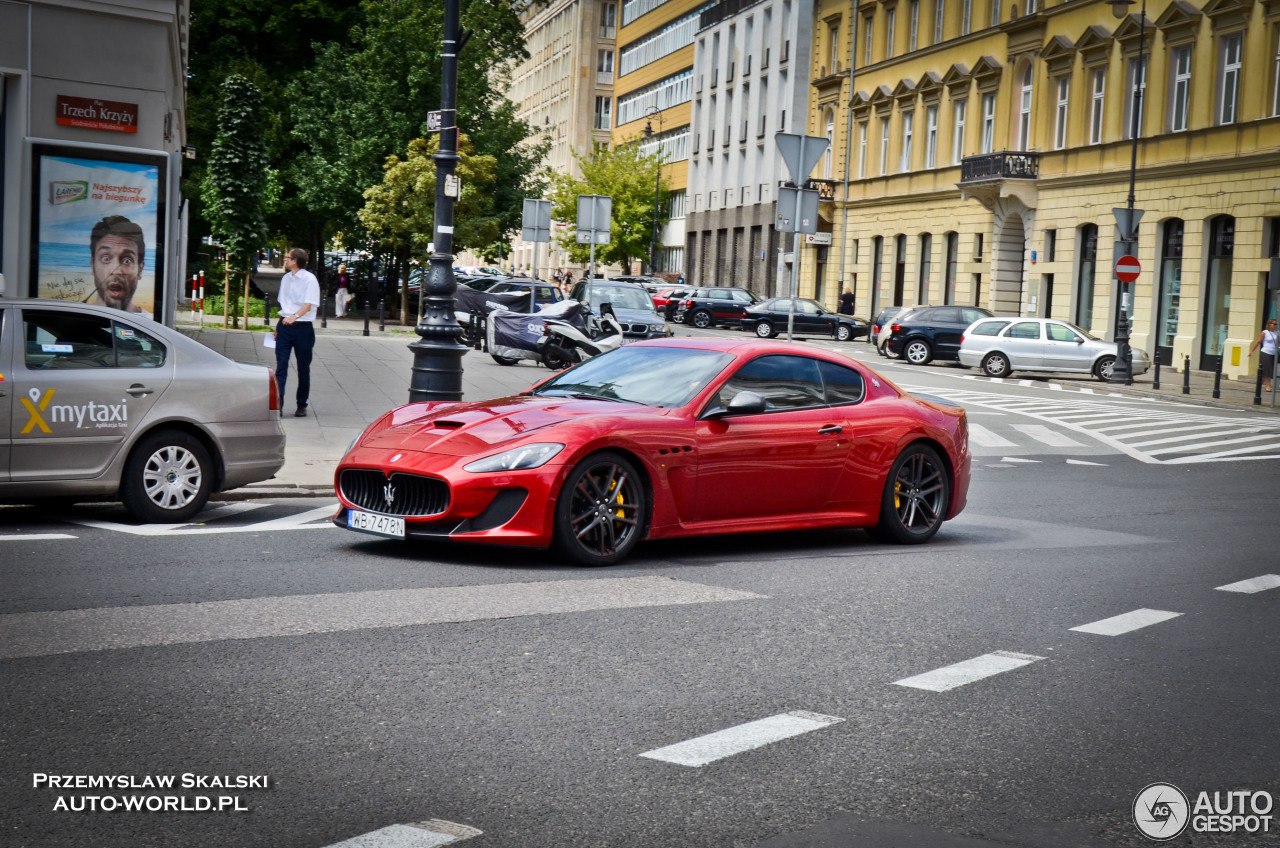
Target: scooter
562	344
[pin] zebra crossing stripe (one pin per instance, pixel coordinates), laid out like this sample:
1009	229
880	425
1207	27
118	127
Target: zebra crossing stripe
982	437
427	834
744	737
1083	462
1043	434
34	537
969	671
1126	622
1253	584
1185	436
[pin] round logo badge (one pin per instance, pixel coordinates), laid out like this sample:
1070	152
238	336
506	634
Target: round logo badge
1161	811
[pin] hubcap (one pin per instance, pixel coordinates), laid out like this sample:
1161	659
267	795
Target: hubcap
763	330
172	477
701	320
917	494
605	509
917	353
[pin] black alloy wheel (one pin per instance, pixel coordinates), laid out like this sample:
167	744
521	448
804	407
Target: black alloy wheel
996	365
916	496
701	319
765	330
1105	368
601	511
167	479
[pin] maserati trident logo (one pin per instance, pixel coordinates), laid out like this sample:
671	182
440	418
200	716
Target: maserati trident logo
389	494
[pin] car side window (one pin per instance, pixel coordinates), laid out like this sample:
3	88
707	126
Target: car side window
783	305
785	382
806	307
946	315
1059	333
65	340
719	295
136	349
743	297
1023	330
844	385
968	316
988	328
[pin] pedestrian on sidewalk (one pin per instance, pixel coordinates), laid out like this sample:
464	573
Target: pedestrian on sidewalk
1267	362
295	331
343	296
846	302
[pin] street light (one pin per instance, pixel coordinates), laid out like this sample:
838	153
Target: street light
1123	371
657	187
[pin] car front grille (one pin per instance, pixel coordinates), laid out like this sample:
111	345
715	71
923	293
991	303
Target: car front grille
636	329
399	494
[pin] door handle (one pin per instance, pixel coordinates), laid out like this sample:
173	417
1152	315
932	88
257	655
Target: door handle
138	390
830	429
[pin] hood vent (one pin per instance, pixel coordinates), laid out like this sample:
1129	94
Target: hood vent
449	425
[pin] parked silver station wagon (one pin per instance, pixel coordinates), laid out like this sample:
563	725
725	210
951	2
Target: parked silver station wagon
1000	346
100	404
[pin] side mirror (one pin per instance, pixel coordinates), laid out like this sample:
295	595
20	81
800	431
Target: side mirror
746	403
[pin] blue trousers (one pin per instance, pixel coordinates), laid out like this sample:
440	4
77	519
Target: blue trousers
300	339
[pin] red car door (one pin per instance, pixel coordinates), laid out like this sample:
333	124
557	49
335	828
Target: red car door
783	461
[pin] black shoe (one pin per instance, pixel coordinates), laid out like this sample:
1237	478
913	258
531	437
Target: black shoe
301	413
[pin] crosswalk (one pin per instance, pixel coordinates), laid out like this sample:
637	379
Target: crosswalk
1151	432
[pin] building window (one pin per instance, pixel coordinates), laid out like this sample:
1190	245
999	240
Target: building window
977	247
957	133
908	128
988	122
1086	267
1098	103
867	38
604	113
914	41
939	15
1180	91
891	32
674	36
1024	110
966	20
1135	97
676	204
1050	245
877	262
1031	7
931	137
1275	78
1217	304
1170	299
953	259
834	34
995	12
831	141
609	20
1060	117
884	146
1229	79
604	66
926	267
862	150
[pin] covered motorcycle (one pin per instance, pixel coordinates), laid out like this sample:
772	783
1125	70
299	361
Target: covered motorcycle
513	336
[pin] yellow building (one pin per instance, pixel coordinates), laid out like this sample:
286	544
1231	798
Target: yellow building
985	148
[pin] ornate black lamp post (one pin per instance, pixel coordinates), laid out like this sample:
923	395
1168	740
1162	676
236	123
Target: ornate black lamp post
657	188
1123	372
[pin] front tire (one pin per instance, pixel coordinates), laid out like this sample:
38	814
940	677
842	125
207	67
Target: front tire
916	497
765	330
701	319
167	479
504	360
996	365
556	358
918	352
601	512
1105	368
843	333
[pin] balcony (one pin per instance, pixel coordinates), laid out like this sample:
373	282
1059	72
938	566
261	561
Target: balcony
991	176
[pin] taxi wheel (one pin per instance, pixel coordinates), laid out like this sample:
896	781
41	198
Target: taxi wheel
601	511
167	479
916	497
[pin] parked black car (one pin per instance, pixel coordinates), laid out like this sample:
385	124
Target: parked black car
769	318
932	332
709	306
880	325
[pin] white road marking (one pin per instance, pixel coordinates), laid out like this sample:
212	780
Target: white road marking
1126	622
983	437
745	737
1019	459
37	634
34	537
1253	584
300	521
1043	434
969	671
1083	462
427	834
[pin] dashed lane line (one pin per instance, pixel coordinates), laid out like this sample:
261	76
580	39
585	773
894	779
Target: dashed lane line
968	671
34	537
1126	622
1253	584
744	737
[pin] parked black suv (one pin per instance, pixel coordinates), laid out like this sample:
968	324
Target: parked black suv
932	332
711	305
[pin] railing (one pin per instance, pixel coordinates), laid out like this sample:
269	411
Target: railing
723	9
1000	166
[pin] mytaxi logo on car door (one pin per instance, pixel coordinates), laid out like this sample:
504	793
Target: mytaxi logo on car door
87	415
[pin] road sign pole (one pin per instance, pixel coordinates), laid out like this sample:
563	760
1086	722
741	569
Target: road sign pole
795	256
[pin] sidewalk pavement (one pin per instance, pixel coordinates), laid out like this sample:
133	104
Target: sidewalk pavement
356	378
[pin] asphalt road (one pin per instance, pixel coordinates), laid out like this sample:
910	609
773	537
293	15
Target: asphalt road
378	684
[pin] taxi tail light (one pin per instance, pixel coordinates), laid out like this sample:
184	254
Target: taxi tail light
274	403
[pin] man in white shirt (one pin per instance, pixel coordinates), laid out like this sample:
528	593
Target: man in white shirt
295	331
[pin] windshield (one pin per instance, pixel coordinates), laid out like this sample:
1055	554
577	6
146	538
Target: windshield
623	297
666	377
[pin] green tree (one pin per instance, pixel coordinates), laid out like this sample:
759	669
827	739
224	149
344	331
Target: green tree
400	210
235	183
626	175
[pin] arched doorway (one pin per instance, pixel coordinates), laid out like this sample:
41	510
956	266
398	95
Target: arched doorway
1008	280
1217	300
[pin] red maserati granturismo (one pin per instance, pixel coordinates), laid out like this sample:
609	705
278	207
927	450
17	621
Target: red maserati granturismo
662	439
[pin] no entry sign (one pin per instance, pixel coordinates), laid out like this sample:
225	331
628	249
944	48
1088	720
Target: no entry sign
1127	269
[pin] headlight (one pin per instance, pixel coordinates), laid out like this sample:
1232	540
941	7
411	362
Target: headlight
516	459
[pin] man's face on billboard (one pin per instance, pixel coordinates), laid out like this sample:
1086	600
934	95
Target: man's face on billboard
117	267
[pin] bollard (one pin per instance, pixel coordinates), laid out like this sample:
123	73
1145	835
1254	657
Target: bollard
324	301
1217	381
1257	390
366	313
1156	383
1186	375
382	321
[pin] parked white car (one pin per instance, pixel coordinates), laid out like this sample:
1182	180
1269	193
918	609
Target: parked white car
1000	346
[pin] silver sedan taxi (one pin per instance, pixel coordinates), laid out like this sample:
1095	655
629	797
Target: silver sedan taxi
1000	346
100	404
